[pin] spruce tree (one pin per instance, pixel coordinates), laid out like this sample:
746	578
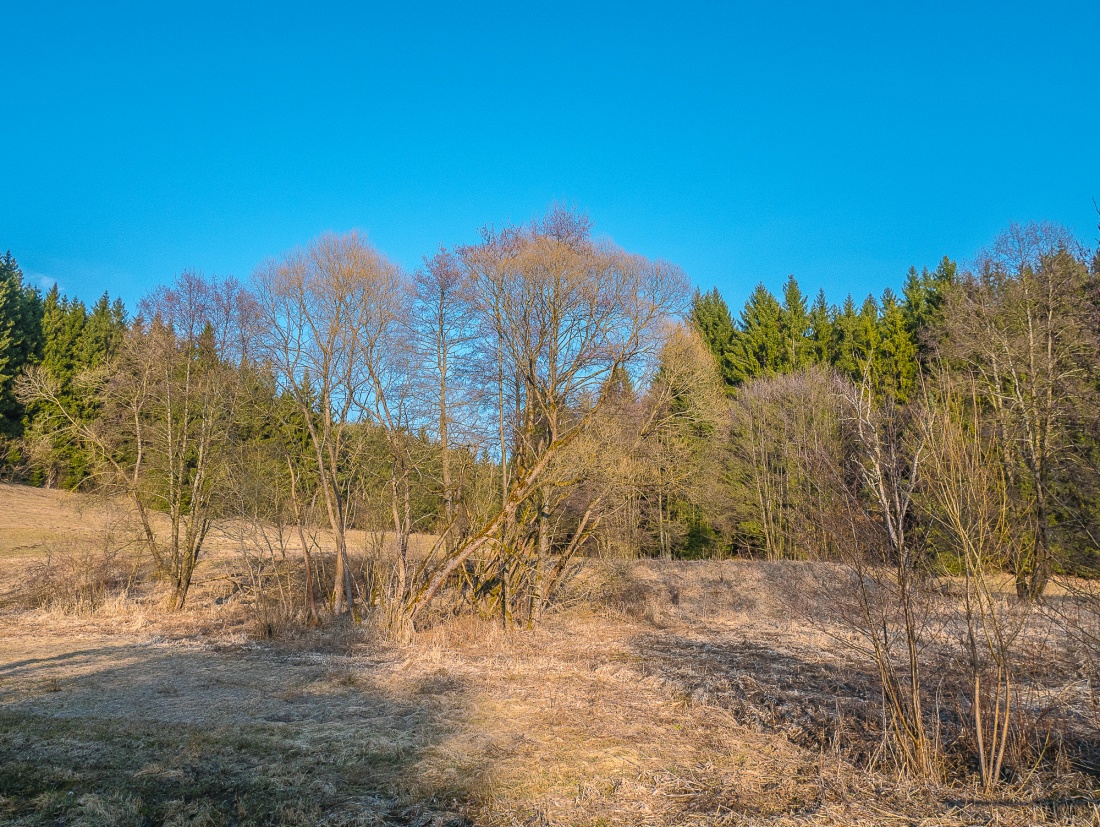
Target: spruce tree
856	338
821	330
20	339
869	336
895	359
762	351
62	329
794	324
923	297
103	332
711	316
844	351
74	341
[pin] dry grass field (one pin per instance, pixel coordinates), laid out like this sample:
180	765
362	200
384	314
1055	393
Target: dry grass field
664	694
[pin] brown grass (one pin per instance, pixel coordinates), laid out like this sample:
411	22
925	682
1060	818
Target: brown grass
682	694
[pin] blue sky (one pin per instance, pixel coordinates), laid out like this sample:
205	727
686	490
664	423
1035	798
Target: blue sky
838	142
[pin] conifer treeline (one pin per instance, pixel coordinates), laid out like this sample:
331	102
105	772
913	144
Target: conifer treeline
1012	348
66	338
889	337
769	337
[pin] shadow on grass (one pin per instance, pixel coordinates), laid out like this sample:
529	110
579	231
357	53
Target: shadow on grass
167	735
15	667
814	704
824	705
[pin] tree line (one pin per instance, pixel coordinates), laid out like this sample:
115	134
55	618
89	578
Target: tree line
65	338
941	450
540	394
1015	340
336	392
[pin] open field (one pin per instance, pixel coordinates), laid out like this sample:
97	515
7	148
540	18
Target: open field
675	693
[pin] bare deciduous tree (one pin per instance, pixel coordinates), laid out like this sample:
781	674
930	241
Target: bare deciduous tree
443	331
866	503
967	498
1026	326
170	403
777	422
561	314
327	314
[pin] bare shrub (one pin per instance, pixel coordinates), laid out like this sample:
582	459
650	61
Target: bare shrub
920	518
863	507
270	590
968	504
76	577
81	575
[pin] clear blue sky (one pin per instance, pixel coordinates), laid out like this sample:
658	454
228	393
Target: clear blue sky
839	142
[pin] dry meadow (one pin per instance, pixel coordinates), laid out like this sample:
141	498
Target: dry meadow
688	693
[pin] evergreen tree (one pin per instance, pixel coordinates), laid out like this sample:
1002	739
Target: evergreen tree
923	297
63	323
53	455
866	342
794	325
762	351
844	349
104	331
867	330
821	330
856	338
20	339
895	359
73	341
711	316
915	298
618	386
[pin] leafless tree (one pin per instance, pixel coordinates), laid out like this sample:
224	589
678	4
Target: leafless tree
967	498
776	423
888	463
169	402
561	314
328	313
1025	325
443	329
864	508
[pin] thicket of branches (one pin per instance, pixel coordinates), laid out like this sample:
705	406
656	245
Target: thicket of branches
942	450
537	381
462	403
